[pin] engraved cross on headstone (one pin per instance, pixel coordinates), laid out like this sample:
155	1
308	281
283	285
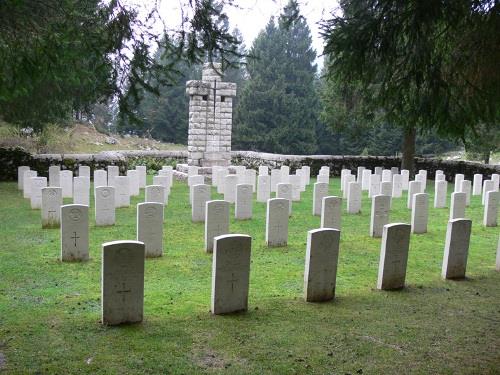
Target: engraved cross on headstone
232	281
75	237
123	291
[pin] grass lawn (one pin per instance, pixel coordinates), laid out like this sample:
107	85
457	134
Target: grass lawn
50	312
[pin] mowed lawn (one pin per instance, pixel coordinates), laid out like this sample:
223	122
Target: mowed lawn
50	311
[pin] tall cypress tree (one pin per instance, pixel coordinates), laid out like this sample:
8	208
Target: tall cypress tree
277	111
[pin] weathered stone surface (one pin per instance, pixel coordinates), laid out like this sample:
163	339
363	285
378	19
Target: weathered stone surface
277	222
459	177
457	206
100	178
27	176
74	232
359	176
230	182
405	175
263	188
104	205
122	191
489	185
155	193
420	213
163	181
374	188
36	185
491	209
142	171
295	181
81	190
51	207
397	186
386	188
150	228
113	171
331	210
133	178
84	171
66	181
263	170
456	249
54	171
201	195
366	179
20	175
243	202
423	182
320	191
414	188
285	173
347	180
122	282
320	273
230	273
381	207
353	198
466	187
284	190
323	179
216	221
250	178
275	179
478	184
386	175
440	194
393	256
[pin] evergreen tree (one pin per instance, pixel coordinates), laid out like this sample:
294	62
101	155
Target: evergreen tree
278	105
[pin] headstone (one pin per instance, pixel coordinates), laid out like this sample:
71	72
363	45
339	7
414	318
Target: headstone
359	176
194	180
457	206
405	175
319	192
275	179
366	179
378	171
374	185
306	173
478	184
441	194
122	191
386	175
322	254
439	177
100	178
201	195
163	181
84	171
66	181
323	179
150	228
348	178
51	207
394	170
104	205
325	170
216	222
420	213
497	264
54	171
285	172
263	188
277	222
192	170
331	209
37	183
155	193
113	171
466	187
496	178
81	190
134	186
295	181
489	185
423	172
344	180
458	182
250	178
142	171
423	182
243	206
221	175
397	186
393	256
414	188
380	211
386	188
169	177
354	198
456	249
230	182
74	232
285	191
20	175
167	168
491	209
122	282
230	273
27	182
263	170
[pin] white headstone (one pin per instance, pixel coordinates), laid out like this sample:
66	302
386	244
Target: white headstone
216	222
319	192
122	282
263	188
194	180
331	209
113	171
491	209
100	178
275	179
243	206
201	195
104	205
54	175
374	185
394	170
489	185
386	175
51	207
285	172
441	194
295	181
74	232
405	175
37	183
458	182
353	198
263	170
359	176
150	228
478	184
277	222
440	177
250	178
397	186
221	174
386	188
414	188
169	178
457	206
66	181
466	187
345	178
423	182
366	179
420	213
20	175
348	178
27	182
323	179
134	186
456	249
142	171
393	256
230	273
230	182
380	211
306	173
322	254
122	191
155	193
285	191
192	170
84	171
378	171
496	178
81	190
163	181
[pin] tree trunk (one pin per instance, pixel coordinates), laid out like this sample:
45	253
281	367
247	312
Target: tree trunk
408	158
486	157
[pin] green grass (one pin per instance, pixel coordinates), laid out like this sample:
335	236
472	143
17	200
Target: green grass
49	311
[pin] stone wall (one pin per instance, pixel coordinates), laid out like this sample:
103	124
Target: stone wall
336	163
